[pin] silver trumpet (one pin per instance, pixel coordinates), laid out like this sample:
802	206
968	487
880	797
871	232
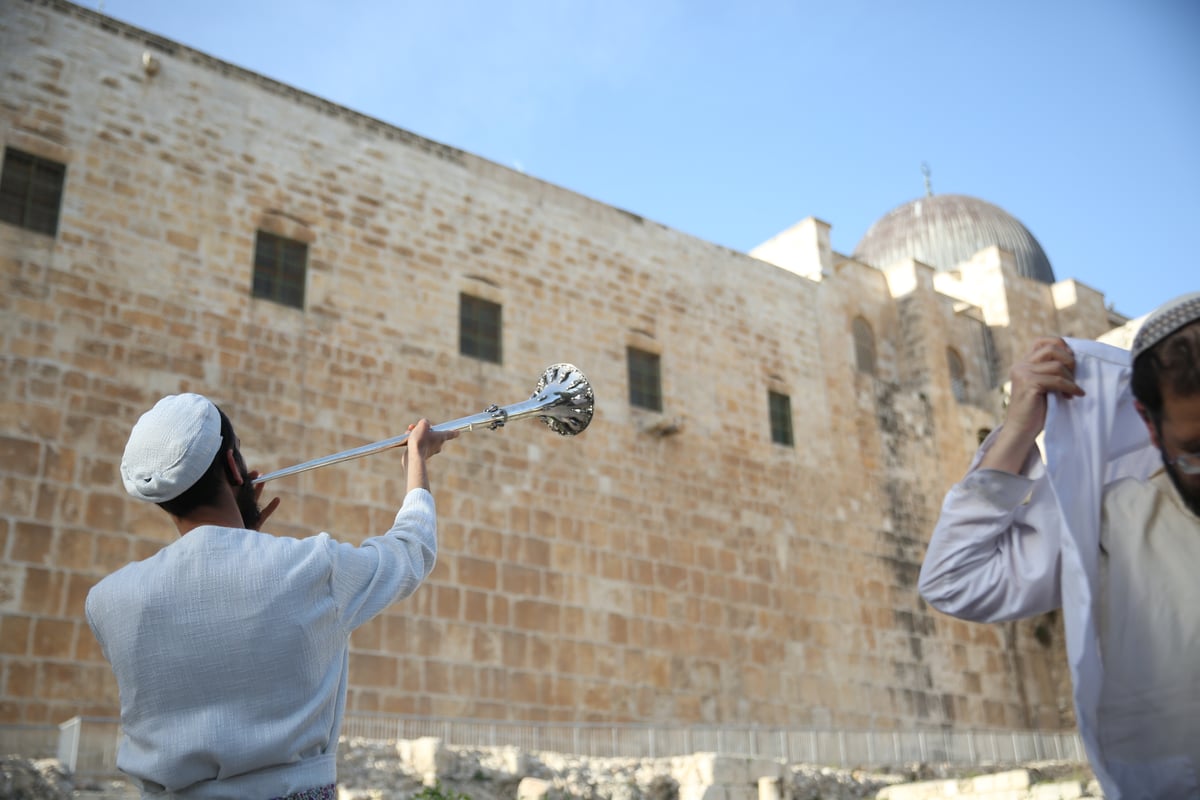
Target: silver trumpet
563	400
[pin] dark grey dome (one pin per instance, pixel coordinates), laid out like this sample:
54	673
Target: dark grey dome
945	230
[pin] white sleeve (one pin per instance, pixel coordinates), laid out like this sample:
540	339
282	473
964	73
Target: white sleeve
994	555
384	569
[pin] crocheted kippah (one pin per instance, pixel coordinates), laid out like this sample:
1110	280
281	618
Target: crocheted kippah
1165	320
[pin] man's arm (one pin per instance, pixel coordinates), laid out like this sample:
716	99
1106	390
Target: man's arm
387	568
994	554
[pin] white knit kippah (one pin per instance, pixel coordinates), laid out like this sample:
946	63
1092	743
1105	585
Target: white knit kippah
171	447
1165	320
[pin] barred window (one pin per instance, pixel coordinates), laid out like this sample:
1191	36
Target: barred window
280	267
779	407
479	328
31	191
864	346
645	379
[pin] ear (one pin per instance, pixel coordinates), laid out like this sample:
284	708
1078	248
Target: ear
231	467
1150	426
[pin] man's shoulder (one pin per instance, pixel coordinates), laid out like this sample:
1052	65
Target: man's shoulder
219	548
1128	491
132	572
1135	500
158	563
113	591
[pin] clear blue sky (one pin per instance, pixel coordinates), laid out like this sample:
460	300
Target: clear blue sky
733	120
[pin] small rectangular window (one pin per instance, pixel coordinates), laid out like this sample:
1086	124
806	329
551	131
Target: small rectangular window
479	328
645	380
31	191
779	407
280	266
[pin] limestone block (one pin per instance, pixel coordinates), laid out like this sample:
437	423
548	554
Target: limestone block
429	758
759	768
698	791
503	763
721	770
1063	790
1017	779
533	789
770	789
924	790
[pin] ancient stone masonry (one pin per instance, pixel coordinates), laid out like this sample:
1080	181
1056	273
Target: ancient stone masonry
662	567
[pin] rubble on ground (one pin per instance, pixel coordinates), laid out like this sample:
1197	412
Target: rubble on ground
378	770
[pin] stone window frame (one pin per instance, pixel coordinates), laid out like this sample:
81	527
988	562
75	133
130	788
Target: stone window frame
957	369
644	371
480	328
280	270
779	412
31	191
865	357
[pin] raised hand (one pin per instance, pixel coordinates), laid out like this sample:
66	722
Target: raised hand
1048	367
263	513
422	444
428	441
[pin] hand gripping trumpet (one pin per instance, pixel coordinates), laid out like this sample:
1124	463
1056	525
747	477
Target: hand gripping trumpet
562	399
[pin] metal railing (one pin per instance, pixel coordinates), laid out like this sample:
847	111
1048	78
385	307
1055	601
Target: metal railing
829	747
30	741
88	745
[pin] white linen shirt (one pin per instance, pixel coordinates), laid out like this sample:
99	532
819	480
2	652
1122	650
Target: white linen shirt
231	651
1011	546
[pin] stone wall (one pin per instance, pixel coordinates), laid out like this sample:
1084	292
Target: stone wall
707	575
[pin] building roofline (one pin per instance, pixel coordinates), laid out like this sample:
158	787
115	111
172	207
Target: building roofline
176	50
386	130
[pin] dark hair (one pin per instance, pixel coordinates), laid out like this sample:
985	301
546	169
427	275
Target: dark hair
1174	362
204	491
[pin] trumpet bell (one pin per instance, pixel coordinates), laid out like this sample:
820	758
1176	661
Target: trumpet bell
568	398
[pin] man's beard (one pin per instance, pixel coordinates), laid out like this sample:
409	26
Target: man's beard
1189	492
247	503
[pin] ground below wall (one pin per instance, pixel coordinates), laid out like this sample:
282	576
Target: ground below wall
372	770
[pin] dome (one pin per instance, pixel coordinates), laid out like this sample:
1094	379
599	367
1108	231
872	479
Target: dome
947	229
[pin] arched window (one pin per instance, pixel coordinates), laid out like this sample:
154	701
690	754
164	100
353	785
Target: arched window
958	375
864	346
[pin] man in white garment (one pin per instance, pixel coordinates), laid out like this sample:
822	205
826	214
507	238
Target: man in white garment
230	646
1106	527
